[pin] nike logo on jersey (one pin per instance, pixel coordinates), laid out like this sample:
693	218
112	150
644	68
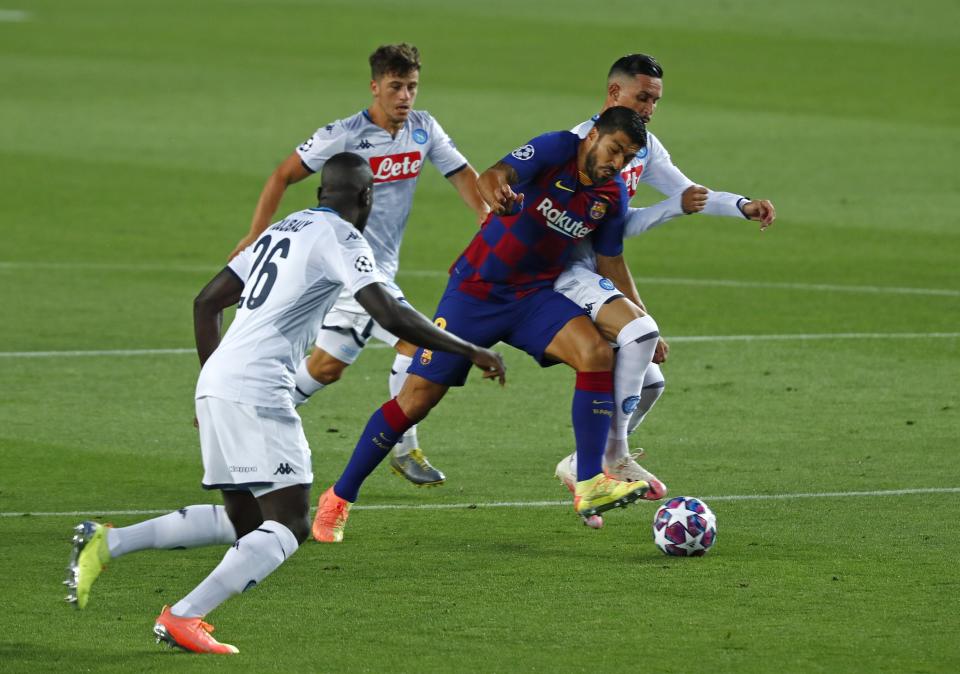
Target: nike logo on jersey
561	221
560	184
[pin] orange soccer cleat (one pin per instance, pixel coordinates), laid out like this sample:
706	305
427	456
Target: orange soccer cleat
189	634
331	518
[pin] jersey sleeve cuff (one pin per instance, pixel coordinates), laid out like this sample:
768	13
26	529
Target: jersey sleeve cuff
456	170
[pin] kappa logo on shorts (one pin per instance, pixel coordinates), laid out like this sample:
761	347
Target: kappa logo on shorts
524	153
284	469
363	264
607	284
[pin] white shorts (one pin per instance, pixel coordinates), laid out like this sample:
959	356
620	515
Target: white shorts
257	449
347	328
587	289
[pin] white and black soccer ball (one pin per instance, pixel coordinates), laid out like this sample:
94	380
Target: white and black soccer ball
684	527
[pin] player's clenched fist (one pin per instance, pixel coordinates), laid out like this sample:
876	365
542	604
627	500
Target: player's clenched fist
694	199
760	210
506	201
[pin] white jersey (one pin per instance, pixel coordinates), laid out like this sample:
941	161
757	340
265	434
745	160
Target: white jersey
396	162
293	272
653	166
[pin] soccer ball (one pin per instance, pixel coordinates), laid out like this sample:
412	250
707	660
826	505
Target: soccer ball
684	527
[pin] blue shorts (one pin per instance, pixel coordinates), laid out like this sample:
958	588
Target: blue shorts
528	324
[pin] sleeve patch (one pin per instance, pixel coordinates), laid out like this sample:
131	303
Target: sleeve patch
524	153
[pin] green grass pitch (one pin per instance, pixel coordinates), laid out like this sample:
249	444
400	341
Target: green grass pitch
134	139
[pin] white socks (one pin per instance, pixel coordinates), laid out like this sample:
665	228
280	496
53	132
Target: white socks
190	527
306	385
637	341
247	563
398	375
653	383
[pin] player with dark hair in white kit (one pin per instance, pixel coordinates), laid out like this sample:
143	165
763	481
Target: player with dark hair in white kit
251	438
636	82
396	140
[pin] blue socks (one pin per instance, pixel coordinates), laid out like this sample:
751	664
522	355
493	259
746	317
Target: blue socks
383	431
592	413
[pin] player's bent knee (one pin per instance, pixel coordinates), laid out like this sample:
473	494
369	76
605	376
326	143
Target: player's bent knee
299	527
325	368
405	348
416	408
653	378
242	511
638	330
418	396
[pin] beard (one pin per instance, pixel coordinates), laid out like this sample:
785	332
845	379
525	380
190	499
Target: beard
590	168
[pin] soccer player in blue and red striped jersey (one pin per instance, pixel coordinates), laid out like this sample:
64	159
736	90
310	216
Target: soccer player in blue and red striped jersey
545	196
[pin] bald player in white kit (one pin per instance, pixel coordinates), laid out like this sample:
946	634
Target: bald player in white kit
251	438
396	140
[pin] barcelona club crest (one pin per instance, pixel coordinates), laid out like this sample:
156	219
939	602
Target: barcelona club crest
598	209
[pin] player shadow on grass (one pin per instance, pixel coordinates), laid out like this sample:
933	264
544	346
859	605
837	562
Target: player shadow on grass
25	656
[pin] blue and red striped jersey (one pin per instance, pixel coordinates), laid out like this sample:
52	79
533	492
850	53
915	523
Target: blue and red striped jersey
515	255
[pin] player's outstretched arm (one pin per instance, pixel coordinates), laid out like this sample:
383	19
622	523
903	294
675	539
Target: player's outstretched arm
494	186
290	171
223	290
465	182
414	327
640	220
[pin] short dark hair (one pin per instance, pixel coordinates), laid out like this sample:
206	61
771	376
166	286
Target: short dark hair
394	59
632	65
619	118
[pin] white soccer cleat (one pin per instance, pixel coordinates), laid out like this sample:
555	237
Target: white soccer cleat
629	470
566	472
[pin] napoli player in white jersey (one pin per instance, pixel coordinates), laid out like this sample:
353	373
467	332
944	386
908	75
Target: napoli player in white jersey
636	81
397	140
251	438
